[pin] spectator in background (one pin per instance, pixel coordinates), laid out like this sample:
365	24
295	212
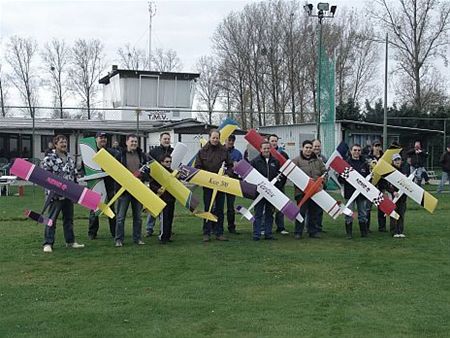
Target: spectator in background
445	163
50	148
418	159
235	156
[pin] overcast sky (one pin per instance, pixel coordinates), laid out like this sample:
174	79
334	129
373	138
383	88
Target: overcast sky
183	25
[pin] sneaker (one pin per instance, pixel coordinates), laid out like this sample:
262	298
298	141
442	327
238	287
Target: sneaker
396	236
119	244
140	242
222	238
206	238
262	233
48	248
401	236
284	232
74	245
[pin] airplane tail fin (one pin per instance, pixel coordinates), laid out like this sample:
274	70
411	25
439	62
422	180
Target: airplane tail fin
38	217
245	213
206	215
106	210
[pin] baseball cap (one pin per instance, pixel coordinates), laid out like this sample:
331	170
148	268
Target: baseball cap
376	143
100	133
396	157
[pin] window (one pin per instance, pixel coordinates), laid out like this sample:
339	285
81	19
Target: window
45	140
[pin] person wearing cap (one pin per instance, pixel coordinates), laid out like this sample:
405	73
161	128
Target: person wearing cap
372	158
157	153
445	163
101	139
397	226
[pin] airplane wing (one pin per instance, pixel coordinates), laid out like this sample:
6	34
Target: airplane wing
214	181
68	189
226	128
406	186
363	186
387	157
177	189
268	190
129	182
301	180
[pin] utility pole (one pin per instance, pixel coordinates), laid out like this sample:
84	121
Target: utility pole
151	14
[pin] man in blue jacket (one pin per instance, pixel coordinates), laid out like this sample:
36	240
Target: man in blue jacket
235	156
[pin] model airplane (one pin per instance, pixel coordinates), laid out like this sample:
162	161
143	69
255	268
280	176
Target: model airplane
177	189
60	186
151	202
93	173
405	185
311	189
361	185
266	190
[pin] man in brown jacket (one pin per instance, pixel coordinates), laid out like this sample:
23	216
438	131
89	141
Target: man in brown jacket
314	168
211	158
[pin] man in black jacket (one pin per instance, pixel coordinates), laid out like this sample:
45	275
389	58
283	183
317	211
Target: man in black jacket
133	159
418	159
445	163
102	140
267	166
358	163
157	153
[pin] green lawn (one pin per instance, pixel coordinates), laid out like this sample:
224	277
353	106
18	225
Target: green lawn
373	287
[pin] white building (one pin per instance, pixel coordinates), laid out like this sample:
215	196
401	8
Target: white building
158	96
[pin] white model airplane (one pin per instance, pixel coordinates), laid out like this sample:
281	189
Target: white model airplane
361	184
266	190
312	189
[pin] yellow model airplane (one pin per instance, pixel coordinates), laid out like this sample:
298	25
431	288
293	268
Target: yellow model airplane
177	189
405	185
151	202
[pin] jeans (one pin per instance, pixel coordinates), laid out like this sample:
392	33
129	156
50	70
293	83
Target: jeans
150	224
310	212
55	207
230	211
420	174
94	224
360	202
122	208
263	209
216	210
444	178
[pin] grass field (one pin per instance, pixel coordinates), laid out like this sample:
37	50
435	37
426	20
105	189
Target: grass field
372	287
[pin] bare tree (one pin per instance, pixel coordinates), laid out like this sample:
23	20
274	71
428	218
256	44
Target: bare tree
3	92
166	60
132	58
208	85
20	54
87	65
56	57
418	31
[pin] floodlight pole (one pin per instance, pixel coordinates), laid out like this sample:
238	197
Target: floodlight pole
151	13
385	132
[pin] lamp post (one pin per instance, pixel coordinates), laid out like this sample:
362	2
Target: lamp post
323	11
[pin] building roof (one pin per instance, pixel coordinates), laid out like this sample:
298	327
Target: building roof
129	73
